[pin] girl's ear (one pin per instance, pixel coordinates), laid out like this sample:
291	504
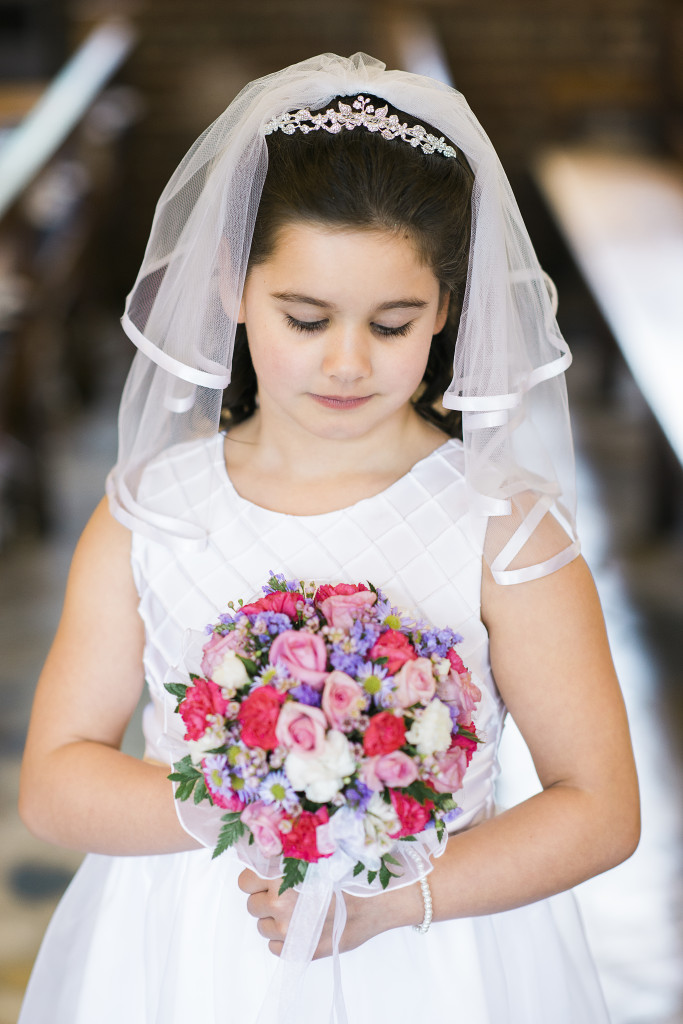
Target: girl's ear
442	314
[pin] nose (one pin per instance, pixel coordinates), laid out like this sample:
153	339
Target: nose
347	356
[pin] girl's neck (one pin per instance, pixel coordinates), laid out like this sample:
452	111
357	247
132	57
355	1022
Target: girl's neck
298	475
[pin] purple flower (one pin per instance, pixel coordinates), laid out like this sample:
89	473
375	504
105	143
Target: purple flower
436	641
272	623
346	662
305	694
358	796
277	789
364	635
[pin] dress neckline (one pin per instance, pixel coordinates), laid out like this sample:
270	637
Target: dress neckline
247	503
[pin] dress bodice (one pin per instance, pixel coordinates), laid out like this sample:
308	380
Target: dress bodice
417	541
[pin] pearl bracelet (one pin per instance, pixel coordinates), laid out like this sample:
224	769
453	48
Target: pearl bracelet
426	896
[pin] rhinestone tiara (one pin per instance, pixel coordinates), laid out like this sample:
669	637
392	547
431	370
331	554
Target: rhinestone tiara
361	114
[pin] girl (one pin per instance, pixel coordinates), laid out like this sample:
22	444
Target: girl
346	224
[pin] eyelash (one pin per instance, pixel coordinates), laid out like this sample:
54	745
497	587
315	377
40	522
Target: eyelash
313	326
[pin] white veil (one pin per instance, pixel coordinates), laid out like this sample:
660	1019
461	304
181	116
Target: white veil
510	357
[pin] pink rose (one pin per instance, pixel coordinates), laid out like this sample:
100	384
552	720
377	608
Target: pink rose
280	601
341	610
301	727
303	654
396	769
368	774
326	590
215	650
263	820
451	770
395	647
459	689
201	699
343	698
415	683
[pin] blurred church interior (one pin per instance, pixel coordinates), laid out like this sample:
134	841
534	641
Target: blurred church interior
100	99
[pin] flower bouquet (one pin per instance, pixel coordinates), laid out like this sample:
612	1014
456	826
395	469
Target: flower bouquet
325	721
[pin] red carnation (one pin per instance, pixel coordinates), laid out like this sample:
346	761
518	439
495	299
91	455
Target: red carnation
301	841
282	601
468	745
341	590
456	661
201	699
412	814
395	647
258	716
385	733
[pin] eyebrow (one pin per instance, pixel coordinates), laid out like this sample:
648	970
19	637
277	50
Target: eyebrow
321	304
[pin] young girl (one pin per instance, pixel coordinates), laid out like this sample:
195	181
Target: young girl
346	225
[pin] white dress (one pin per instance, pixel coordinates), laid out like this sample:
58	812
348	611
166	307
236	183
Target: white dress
167	939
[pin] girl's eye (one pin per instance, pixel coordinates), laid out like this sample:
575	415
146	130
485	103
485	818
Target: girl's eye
393	332
312	326
306	326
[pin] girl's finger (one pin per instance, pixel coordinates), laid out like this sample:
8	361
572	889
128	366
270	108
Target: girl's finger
250	882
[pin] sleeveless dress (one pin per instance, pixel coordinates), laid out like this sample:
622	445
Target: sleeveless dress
167	939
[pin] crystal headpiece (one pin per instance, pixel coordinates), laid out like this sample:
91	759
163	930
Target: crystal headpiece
361	115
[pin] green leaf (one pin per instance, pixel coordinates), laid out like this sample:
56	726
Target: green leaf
176	689
251	666
408	839
384	876
372	875
440	829
201	792
230	832
294	872
390	857
420	791
184	770
194	676
469	735
358	868
186	775
184	790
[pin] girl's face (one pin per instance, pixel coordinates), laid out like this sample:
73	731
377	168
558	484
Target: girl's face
340	322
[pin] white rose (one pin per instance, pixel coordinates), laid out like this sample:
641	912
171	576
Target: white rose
322	777
381	820
348	834
230	674
431	732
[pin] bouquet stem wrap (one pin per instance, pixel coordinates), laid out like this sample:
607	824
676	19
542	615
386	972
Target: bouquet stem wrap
327	879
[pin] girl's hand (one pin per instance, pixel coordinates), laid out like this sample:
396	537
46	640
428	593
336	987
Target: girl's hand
365	916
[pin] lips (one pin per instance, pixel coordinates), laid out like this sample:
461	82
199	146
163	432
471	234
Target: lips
340	401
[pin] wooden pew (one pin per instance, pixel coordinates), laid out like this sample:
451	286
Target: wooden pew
621	215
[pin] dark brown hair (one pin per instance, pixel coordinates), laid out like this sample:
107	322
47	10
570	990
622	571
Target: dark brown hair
359	179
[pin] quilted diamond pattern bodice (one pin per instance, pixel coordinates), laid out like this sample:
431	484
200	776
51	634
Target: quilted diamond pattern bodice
416	540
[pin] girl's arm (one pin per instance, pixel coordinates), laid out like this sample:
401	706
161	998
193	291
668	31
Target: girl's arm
77	788
552	664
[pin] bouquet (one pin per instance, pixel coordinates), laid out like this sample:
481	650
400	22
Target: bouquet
326	720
